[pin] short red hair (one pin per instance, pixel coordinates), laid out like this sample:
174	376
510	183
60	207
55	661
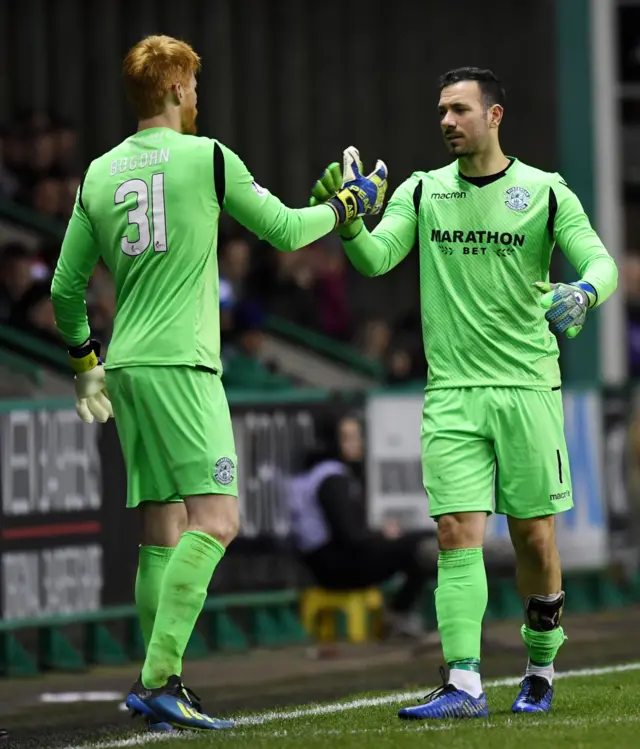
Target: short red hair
152	67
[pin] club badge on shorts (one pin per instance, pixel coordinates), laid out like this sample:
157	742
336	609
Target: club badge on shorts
224	470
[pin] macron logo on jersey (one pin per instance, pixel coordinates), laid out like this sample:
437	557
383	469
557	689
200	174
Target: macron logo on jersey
447	195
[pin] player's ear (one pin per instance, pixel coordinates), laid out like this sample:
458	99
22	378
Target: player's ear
495	115
177	93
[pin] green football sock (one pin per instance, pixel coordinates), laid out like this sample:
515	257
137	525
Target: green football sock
182	595
542	646
152	562
461	600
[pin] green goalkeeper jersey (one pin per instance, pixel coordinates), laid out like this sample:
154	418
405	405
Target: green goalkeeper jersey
150	209
483	244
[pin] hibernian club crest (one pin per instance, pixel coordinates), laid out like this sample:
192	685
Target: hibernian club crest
517	198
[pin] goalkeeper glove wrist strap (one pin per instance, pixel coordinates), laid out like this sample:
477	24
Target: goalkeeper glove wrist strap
345	205
589	290
85	357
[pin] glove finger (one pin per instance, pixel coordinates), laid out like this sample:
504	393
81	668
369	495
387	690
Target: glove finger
379	174
334	174
573	331
313	201
103	400
98	409
546	301
350	164
543	286
321	193
82	409
107	403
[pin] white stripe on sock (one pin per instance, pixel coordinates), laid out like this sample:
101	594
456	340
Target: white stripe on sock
468	681
545	671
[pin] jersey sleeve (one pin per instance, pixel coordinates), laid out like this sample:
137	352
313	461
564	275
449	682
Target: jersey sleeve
580	244
378	252
265	215
78	258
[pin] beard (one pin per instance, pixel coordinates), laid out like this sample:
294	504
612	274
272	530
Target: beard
188	121
457	148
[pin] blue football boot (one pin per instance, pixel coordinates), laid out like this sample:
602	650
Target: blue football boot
159	726
447	702
171	706
534	697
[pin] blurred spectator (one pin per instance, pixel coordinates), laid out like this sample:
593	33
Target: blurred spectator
41	154
330	531
39	163
399	366
66	146
34	314
631	281
8	181
376	337
14	151
244	365
291	292
332	292
15	276
235	258
227	306
47	197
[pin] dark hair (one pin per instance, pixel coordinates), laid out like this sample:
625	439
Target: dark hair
490	85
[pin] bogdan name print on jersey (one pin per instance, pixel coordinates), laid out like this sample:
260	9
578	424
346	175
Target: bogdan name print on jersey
140	161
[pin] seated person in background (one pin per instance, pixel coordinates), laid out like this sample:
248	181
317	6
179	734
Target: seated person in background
244	363
329	527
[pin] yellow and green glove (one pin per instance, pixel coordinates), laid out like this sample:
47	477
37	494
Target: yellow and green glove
348	191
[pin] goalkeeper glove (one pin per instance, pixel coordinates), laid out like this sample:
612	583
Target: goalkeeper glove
350	194
91	396
566	305
328	185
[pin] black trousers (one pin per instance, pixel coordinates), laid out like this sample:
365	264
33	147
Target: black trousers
375	560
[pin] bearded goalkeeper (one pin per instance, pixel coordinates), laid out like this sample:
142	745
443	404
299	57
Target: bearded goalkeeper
150	209
486	225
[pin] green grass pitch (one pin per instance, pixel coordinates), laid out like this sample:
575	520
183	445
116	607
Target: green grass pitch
601	709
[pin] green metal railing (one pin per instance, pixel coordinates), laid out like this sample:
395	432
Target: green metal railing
112	636
22	366
236	623
30	348
338	352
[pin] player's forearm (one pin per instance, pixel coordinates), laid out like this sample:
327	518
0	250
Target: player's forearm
372	254
362	251
378	252
601	272
70	310
294	228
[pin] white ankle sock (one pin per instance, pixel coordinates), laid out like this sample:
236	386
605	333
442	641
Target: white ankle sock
545	671
468	681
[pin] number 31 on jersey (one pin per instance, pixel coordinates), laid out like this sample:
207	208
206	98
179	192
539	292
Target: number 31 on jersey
138	216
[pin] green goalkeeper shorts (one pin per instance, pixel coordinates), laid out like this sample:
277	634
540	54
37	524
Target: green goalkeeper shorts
175	431
470	435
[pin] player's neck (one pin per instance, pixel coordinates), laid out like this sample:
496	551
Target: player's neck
483	164
161	120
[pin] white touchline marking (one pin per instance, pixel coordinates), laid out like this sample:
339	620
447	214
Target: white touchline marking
71	697
412	726
388	699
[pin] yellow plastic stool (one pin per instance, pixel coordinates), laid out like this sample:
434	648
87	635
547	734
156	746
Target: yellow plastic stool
318	607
